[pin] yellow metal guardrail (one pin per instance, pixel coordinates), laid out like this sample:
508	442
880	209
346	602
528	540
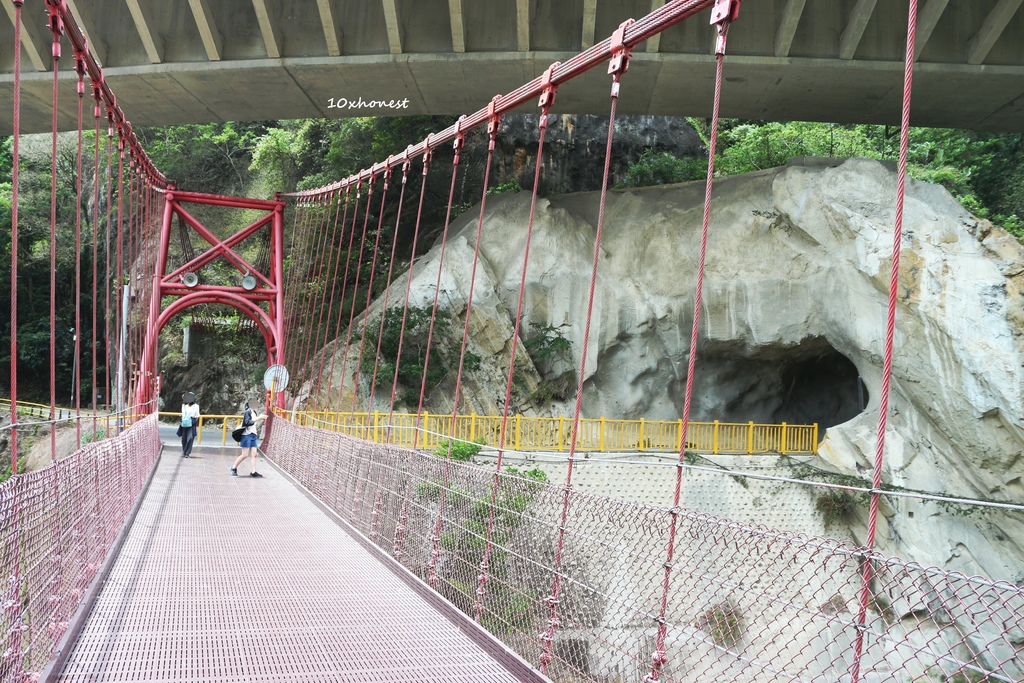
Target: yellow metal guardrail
554	433
211	423
37	409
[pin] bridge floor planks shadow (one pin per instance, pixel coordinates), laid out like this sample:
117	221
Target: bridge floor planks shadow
227	578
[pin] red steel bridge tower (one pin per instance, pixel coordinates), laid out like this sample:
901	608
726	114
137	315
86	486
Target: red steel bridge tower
259	294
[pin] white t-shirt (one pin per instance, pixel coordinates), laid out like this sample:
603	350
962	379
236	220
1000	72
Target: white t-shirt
192	411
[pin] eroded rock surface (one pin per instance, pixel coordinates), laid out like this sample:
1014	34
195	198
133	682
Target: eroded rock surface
793	328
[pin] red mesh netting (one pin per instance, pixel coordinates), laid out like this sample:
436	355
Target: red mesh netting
746	602
56	528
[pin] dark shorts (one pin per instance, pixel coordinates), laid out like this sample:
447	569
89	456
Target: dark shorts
248	441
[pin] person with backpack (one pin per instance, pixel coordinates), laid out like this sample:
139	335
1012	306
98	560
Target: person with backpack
189	423
250	428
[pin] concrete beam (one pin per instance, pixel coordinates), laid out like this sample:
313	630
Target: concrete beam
791	14
458	28
146	27
589	23
979	46
330	27
927	20
654	42
854	31
394	30
89	29
271	34
28	41
213	41
523	25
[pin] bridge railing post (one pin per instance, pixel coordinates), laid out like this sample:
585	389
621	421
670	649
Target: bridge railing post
782	446
750	438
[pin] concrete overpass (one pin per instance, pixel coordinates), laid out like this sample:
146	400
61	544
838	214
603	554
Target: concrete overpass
175	61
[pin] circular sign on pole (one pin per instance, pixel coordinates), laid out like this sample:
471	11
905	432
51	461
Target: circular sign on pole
276	377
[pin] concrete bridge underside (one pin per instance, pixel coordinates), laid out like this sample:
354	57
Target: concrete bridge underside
176	61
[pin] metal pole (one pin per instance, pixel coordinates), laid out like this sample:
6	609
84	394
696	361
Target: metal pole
120	350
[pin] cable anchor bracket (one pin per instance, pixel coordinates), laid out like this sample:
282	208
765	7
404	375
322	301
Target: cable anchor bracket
722	15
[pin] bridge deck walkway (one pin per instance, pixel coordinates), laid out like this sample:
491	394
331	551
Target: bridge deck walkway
227	578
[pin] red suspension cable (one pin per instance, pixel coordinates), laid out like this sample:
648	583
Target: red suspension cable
369	298
77	360
405	308
16	163
867	563
387	286
57	28
330	306
457	144
344	288
327	306
546	100
355	290
617	66
95	246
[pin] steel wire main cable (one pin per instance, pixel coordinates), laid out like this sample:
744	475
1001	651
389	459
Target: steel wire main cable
427	157
328	305
619	64
547	99
457	145
369	298
56	29
435	554
387	285
313	286
108	274
341	305
355	292
77	359
95	248
303	217
15	174
320	257
890	329
15	617
299	293
119	275
657	21
659	657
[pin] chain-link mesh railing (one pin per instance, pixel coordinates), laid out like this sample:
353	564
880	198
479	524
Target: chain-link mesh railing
56	528
746	603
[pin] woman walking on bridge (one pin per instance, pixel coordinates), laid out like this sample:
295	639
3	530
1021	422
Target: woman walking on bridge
189	423
251	427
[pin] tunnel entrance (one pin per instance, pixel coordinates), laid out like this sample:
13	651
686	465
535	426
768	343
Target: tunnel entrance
798	384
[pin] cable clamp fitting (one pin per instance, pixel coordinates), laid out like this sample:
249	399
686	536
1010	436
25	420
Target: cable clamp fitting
722	14
493	117
548	89
56	24
620	53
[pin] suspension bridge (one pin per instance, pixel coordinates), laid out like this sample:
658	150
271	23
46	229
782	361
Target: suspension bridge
361	556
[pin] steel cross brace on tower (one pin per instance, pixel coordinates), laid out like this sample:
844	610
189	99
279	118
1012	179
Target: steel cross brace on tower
267	288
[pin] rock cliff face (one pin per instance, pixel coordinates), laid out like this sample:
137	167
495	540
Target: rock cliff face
793	327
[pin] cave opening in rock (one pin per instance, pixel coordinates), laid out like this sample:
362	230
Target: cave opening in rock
803	383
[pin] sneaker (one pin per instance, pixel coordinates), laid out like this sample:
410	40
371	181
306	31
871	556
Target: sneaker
234	472
255	474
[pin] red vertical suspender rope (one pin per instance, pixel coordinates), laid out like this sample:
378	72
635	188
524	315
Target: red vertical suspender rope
77	360
119	293
302	217
492	133
546	100
313	271
12	595
324	324
867	567
658	657
56	28
16	163
95	246
341	305
314	214
369	297
618	65
327	341
286	282
108	357
387	287
355	291
457	143
427	155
